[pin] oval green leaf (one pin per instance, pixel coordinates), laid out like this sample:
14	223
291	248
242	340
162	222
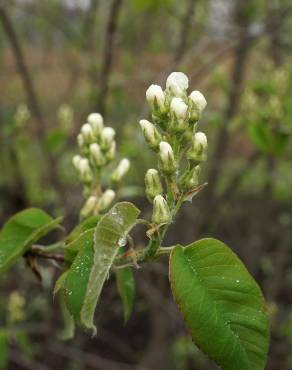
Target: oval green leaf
21	231
76	278
97	250
221	303
110	235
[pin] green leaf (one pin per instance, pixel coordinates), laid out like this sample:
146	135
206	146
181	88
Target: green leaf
21	231
73	245
222	304
126	289
3	349
97	251
60	282
110	234
69	325
76	279
86	224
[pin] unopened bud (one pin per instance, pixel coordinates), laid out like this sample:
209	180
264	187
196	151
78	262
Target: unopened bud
110	154
107	137
87	133
179	109
105	200
85	170
166	157
121	170
155	97
96	155
96	122
198	150
199	103
89	206
80	141
193	180
152	183
161	213
151	134
177	83
76	161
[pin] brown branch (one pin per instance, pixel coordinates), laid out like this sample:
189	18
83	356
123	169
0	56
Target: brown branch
24	362
108	51
22	68
89	25
184	32
92	360
40	254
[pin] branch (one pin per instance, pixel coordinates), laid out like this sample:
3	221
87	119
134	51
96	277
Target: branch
35	252
89	25
107	59
22	68
184	32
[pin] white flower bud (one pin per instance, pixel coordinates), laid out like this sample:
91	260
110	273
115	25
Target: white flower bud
193	180
89	206
76	161
107	137
121	170
110	154
199	104
105	200
96	155
179	108
166	156
96	122
198	151
151	134
87	133
177	83
85	170
80	141
161	213
155	97
152	183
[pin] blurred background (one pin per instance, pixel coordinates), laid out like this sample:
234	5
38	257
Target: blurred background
61	60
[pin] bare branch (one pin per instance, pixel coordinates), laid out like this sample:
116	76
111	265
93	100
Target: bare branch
108	51
32	99
184	32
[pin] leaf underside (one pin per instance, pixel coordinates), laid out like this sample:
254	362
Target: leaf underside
97	250
21	231
221	303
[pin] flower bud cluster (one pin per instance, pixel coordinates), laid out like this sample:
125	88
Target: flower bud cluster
97	149
172	134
